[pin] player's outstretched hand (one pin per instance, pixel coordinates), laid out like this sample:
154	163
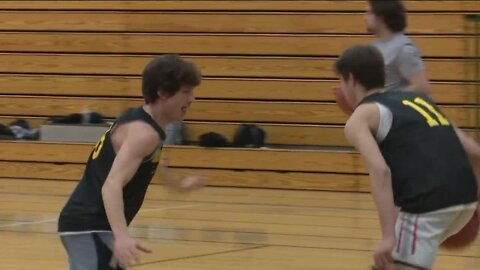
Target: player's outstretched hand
192	182
188	183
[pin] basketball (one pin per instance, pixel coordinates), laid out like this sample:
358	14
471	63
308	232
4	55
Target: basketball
342	101
467	235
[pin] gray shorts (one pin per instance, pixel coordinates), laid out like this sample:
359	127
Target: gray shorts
89	251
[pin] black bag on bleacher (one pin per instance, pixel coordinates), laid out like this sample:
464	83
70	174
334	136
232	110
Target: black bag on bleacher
249	135
213	139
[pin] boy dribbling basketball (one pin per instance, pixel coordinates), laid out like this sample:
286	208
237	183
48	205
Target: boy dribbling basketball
415	159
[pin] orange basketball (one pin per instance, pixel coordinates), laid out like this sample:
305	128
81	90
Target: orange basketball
467	235
342	101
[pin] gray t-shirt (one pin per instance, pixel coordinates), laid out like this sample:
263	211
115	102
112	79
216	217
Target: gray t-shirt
402	60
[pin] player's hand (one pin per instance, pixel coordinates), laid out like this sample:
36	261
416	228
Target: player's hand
192	182
126	252
187	183
383	254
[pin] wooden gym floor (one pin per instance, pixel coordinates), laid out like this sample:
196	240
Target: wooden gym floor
213	228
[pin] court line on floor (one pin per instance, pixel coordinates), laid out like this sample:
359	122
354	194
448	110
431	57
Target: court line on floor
16	224
202	255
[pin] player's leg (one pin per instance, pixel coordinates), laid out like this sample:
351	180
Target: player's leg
81	251
105	241
89	251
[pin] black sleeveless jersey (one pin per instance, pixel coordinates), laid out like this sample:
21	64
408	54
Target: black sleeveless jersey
84	211
430	168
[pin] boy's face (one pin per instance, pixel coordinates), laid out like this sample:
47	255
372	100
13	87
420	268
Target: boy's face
347	86
372	21
176	106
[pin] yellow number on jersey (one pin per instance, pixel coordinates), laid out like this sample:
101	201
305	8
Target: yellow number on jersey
443	120
99	145
417	105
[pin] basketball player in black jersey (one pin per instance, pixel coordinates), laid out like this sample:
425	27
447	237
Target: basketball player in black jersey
417	161
93	223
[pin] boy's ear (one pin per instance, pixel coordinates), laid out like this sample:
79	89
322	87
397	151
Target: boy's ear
352	79
162	94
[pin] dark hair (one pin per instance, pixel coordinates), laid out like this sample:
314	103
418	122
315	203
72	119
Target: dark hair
393	13
365	63
168	73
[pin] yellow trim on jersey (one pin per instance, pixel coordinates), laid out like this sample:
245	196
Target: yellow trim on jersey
99	145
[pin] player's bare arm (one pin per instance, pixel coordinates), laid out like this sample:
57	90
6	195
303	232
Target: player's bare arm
177	181
359	132
139	141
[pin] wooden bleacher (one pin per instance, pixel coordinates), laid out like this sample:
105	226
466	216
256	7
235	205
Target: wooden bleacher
236	5
60	57
243	167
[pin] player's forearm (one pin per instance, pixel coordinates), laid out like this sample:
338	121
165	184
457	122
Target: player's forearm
381	186
112	194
